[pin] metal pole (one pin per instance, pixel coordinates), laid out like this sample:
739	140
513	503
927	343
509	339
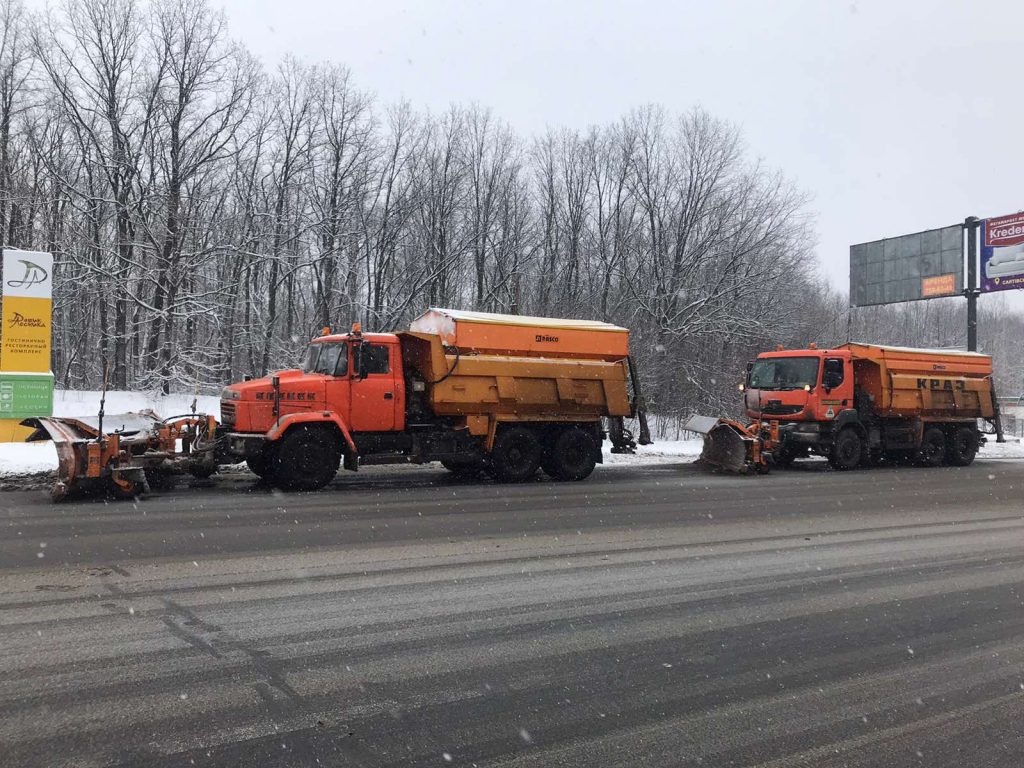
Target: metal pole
971	288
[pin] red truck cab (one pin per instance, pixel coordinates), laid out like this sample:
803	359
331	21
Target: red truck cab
799	385
356	378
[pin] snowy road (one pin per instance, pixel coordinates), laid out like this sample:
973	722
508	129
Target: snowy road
653	615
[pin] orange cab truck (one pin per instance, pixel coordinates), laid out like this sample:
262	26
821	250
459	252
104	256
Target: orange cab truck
859	403
475	391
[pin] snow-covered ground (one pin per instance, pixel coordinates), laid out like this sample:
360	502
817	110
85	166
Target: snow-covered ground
29	458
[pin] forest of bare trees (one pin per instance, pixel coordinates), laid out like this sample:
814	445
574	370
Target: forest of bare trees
209	213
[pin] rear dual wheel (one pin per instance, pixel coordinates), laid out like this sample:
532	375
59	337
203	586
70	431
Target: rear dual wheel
932	452
570	456
516	455
962	447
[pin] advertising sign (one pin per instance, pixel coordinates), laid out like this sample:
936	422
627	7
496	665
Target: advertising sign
26	311
940	285
1002	253
921	265
25	394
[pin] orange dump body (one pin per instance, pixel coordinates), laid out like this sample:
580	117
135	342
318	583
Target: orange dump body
926	383
486	333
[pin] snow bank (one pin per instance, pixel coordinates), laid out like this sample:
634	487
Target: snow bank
663	451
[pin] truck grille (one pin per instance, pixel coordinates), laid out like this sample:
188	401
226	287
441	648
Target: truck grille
227	413
778	409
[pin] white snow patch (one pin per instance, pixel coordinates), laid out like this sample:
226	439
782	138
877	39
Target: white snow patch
662	452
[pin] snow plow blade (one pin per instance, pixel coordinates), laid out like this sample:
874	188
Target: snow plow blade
124	454
728	445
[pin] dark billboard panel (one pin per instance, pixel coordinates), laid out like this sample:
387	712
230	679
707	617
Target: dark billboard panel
922	265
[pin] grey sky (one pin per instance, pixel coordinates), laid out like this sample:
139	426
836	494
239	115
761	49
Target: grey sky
896	116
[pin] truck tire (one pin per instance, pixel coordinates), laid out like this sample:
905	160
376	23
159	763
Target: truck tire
846	450
305	459
784	457
261	464
933	448
962	448
570	456
516	455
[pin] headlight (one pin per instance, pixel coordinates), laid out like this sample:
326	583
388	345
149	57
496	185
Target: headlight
230	394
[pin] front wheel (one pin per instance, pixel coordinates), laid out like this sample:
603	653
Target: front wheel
846	450
306	459
261	463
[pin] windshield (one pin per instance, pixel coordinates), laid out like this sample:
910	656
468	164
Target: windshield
331	359
784	373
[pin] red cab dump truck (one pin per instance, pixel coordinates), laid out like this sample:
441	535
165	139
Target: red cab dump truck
478	392
472	390
857	404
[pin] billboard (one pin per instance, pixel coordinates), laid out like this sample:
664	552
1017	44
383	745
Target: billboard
922	265
26	311
1002	253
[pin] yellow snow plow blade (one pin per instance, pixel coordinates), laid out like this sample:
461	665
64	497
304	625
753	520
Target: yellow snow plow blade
728	445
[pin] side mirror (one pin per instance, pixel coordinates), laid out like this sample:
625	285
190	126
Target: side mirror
831	380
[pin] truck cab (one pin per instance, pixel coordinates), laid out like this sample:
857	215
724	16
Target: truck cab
356	377
802	385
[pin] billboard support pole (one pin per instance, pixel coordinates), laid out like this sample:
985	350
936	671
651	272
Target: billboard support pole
971	290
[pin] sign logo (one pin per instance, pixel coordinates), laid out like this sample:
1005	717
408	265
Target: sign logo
34	274
18	320
543	337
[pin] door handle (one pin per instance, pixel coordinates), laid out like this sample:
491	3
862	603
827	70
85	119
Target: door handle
389	395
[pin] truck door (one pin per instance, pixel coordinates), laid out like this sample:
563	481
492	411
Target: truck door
836	386
373	387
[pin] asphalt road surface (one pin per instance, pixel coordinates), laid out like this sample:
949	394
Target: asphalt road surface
653	615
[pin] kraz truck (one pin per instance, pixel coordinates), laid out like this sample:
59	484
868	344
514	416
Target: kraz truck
477	392
856	405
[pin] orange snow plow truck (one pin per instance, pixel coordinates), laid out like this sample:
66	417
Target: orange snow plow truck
478	392
856	405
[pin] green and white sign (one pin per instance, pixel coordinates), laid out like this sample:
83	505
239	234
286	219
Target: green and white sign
23	395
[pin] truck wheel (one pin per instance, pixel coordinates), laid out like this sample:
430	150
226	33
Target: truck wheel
306	459
962	448
571	457
846	450
516	455
783	458
261	464
933	448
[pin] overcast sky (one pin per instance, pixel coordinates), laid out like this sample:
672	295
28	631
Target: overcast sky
895	116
